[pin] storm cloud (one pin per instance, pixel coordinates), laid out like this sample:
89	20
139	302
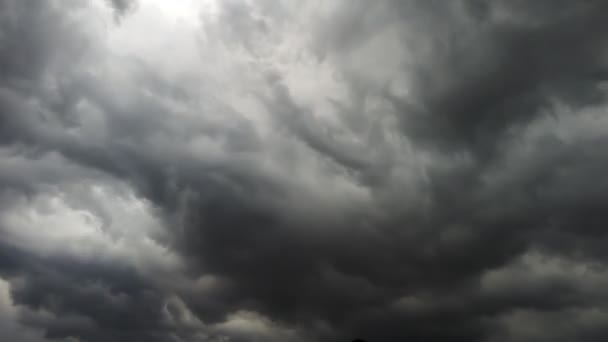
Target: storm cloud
252	170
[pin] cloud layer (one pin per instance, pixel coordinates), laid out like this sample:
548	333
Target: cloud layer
319	171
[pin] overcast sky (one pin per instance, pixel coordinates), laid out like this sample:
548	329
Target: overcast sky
291	171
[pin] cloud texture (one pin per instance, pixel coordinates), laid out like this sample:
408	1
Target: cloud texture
202	170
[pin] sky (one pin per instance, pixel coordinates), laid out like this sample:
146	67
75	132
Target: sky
290	171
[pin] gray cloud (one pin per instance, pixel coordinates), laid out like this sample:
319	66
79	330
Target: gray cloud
250	171
122	6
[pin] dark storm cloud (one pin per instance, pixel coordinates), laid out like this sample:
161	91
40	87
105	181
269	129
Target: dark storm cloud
482	67
475	214
95	302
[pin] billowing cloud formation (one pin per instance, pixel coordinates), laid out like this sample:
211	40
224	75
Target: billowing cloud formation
316	171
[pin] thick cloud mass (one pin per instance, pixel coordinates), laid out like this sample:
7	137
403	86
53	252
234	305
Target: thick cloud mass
202	170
